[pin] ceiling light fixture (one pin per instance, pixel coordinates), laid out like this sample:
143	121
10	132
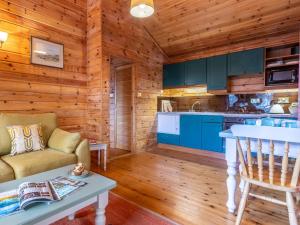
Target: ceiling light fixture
3	37
142	8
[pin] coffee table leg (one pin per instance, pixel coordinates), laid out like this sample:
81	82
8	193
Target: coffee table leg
101	205
105	158
99	152
71	217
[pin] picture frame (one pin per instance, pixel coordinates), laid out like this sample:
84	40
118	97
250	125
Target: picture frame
47	53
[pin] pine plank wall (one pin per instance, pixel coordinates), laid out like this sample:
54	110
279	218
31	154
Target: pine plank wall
92	32
29	88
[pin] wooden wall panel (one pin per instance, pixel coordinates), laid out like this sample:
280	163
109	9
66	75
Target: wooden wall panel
94	63
27	88
126	37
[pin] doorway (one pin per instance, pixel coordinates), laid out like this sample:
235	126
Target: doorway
121	108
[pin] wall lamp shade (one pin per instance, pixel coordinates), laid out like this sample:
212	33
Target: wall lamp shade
142	8
3	37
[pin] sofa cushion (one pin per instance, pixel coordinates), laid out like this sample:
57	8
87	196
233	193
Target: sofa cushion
48	121
6	172
40	161
64	141
26	138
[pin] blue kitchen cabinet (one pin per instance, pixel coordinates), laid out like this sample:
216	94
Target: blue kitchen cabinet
170	139
190	131
210	137
195	72
174	75
236	64
246	62
217	73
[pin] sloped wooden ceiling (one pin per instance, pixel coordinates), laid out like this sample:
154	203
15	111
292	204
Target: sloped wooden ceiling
185	26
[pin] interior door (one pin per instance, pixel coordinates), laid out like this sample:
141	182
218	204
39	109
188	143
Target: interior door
123	108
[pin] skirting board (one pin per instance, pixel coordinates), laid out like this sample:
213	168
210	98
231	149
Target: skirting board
216	155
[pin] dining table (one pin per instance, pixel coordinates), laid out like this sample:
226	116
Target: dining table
231	157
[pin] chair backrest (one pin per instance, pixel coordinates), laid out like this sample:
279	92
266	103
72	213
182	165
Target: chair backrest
272	135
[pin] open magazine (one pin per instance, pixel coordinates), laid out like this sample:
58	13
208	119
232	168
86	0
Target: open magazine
30	193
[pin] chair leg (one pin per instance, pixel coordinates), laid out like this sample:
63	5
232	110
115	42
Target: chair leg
298	197
291	208
242	204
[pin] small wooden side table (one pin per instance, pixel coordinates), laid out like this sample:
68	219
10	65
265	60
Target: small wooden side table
100	147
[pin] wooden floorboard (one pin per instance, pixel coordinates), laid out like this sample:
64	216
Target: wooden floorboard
188	189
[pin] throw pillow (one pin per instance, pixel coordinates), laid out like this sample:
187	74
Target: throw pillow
26	138
64	141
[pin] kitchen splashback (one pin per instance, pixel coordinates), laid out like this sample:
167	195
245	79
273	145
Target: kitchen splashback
236	103
260	102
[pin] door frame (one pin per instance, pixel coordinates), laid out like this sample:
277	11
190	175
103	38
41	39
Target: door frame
133	108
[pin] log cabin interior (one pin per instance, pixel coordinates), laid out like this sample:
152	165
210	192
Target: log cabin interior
159	111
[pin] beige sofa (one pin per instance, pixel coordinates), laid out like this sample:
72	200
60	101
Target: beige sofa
18	166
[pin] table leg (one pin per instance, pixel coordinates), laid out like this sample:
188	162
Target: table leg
99	153
105	158
231	186
71	217
100	211
231	158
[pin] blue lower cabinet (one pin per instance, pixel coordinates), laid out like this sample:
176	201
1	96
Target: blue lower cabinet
197	132
190	131
210	137
170	139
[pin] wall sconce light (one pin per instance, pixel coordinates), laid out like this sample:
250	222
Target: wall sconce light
3	37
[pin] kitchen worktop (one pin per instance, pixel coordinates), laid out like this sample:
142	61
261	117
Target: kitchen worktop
226	134
248	115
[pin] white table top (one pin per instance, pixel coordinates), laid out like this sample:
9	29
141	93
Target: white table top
96	185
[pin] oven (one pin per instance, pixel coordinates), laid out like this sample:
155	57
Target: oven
229	121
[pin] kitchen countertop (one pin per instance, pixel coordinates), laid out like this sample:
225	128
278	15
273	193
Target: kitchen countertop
259	115
226	134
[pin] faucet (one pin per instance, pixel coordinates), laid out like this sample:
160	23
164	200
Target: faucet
195	103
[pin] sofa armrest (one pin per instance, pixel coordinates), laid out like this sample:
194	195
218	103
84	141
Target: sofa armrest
83	153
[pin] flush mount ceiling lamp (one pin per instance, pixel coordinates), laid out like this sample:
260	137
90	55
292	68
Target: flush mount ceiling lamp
142	8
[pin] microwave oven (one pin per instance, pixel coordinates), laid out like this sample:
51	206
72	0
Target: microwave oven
283	76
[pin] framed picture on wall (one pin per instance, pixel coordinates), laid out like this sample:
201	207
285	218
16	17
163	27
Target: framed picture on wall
47	53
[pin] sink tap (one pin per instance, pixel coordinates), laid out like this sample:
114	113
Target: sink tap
195	103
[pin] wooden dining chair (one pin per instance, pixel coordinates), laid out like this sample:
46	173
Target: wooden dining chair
280	176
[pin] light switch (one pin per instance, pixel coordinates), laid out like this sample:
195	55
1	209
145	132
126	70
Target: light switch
139	94
111	95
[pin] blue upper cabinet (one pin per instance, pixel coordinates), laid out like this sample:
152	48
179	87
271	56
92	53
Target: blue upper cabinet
235	63
246	62
195	72
217	72
190	131
185	74
174	75
254	60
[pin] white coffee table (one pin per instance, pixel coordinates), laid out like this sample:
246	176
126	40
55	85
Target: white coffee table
96	191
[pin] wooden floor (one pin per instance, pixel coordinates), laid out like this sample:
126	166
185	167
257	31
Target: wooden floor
116	152
186	188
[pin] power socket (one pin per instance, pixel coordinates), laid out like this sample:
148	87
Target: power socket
283	100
